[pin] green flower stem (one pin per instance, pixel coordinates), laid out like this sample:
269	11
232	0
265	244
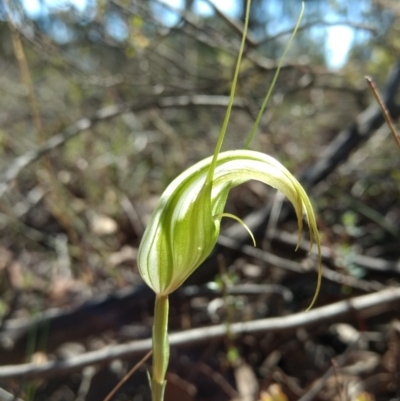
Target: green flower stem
185	224
271	87
231	97
160	347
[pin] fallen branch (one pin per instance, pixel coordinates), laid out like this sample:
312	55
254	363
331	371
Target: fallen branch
370	305
297	267
102	313
113	310
352	137
366	262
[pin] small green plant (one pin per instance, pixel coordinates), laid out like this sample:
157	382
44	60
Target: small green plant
185	224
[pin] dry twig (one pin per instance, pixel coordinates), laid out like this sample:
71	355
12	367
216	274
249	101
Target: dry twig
371	304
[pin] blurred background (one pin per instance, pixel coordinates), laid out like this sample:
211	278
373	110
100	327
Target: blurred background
103	103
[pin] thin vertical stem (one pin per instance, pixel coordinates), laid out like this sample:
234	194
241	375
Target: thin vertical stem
271	87
160	347
222	133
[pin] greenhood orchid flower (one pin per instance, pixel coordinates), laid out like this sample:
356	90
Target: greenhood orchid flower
185	224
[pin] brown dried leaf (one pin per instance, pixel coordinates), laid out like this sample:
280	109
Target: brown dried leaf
364	397
273	393
103	225
246	382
